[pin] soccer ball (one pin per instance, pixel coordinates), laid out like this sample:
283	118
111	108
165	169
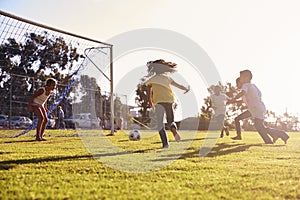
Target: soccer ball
134	135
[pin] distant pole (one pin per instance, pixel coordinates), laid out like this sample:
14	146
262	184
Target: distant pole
10	104
112	130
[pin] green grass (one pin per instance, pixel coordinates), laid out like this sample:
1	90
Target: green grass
63	168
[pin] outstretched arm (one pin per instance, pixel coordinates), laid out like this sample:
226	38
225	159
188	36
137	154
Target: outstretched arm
186	89
239	95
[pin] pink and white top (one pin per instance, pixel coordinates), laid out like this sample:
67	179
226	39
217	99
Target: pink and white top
41	99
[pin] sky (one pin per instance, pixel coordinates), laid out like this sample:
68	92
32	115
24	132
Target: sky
260	35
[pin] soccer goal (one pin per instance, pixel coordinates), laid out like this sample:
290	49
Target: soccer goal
31	52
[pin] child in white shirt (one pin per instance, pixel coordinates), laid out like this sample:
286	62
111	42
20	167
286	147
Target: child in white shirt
257	109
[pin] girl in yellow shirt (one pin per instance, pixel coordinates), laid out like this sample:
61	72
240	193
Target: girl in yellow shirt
161	96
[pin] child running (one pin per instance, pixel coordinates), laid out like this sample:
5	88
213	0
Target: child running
161	96
218	101
244	115
38	104
257	109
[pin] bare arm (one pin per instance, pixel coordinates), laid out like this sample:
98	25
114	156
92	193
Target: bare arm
239	95
235	99
186	89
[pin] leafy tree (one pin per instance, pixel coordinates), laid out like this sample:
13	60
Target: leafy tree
142	101
90	93
39	56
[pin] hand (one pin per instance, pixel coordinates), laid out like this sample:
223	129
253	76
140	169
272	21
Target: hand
187	89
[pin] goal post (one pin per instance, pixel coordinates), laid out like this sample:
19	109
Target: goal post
17	32
112	118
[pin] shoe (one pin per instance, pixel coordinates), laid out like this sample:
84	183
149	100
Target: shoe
165	146
227	131
222	135
40	139
285	139
238	137
164	139
177	137
275	138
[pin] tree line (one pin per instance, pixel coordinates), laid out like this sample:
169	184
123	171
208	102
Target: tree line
26	64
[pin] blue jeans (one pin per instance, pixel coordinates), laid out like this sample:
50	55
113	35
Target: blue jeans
237	120
263	130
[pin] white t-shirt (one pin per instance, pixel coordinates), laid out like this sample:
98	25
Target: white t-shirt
254	102
41	100
219	103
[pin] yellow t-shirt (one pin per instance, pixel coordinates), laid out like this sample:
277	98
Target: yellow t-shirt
161	87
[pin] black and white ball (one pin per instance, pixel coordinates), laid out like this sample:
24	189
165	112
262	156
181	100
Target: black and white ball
134	135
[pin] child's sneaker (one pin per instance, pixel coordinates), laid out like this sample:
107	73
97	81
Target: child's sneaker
40	139
238	137
275	138
285	138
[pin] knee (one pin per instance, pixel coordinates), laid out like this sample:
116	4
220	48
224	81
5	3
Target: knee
236	120
44	119
41	119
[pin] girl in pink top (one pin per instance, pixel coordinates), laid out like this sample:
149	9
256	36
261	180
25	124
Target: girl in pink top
38	104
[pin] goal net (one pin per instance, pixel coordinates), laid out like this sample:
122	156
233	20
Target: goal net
30	53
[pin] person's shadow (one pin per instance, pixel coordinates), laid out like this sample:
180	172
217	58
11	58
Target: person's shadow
220	149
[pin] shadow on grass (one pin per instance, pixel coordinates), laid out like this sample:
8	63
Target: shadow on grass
144	150
124	140
220	150
224	149
193	139
8	164
20	141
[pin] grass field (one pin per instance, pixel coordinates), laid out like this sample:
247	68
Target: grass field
63	168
